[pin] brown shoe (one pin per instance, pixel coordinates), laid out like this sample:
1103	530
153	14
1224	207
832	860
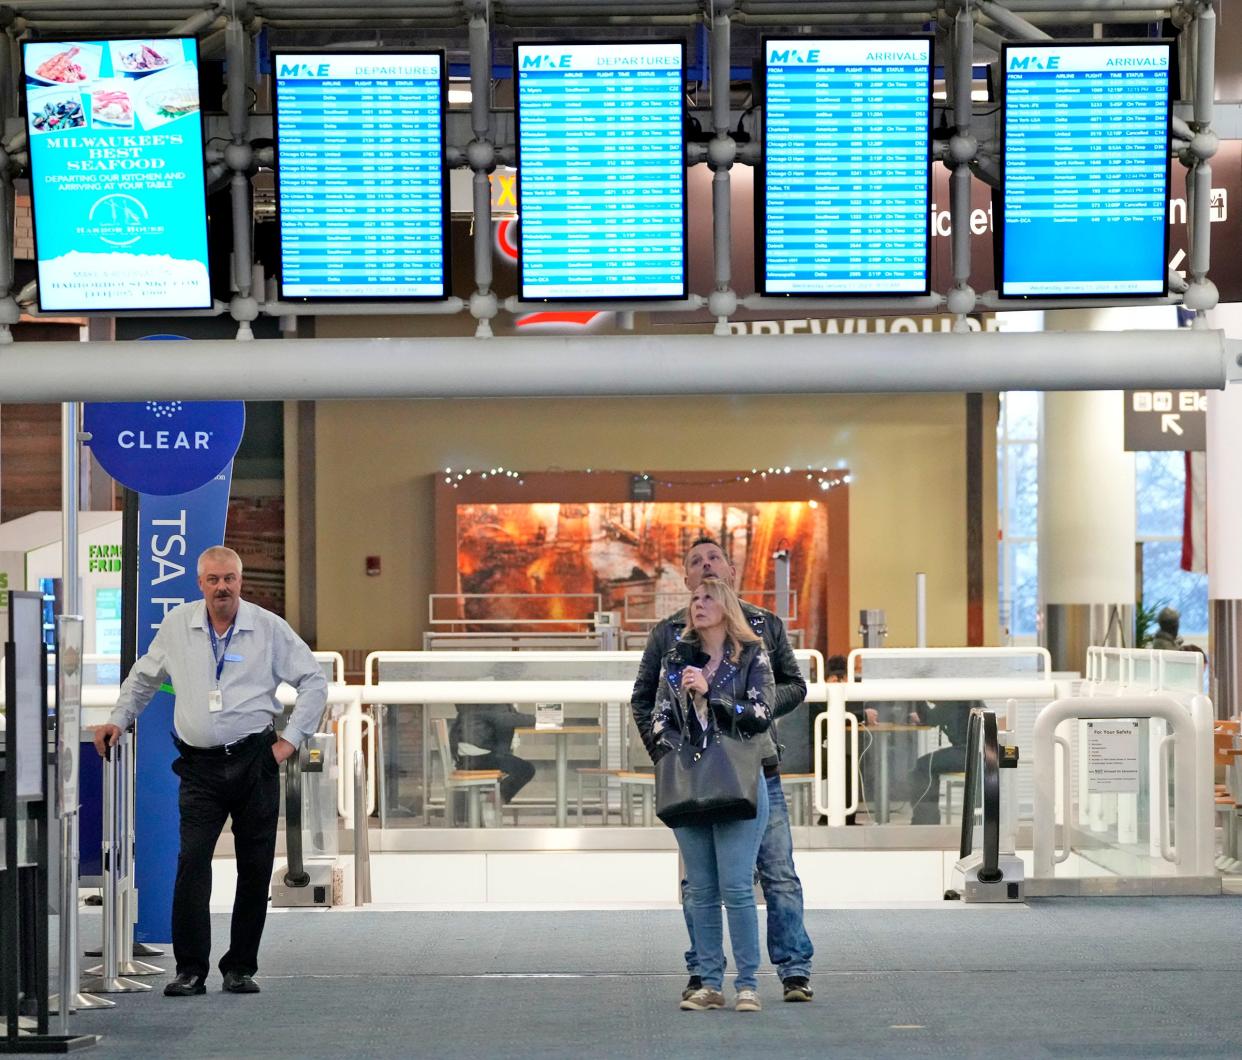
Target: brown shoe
703	999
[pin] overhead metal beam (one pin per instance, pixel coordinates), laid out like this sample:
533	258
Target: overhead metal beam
597	366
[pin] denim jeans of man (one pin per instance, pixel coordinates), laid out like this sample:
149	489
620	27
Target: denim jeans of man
720	866
789	946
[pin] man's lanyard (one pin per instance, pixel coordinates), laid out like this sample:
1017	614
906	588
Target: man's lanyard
215	647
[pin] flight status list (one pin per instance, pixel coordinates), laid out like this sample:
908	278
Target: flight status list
846	172
601	170
1086	169
360	172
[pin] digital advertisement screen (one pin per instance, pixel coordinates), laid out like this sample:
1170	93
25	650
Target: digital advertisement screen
843	203
601	170
360	175
117	174
1086	169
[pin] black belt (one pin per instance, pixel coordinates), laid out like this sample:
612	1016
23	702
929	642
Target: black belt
266	737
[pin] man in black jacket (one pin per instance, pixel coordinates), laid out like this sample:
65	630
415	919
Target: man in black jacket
789	947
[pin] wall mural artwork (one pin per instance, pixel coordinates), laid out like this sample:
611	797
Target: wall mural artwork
630	553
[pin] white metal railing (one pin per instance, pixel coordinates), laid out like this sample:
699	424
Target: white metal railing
829	739
1041	656
1144	669
459	599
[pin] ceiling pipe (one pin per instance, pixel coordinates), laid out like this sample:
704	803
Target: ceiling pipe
599	366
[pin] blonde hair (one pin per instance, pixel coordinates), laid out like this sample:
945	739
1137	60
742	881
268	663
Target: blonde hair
219	553
737	630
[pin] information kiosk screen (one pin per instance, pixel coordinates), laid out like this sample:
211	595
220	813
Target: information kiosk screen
844	191
117	174
361	186
601	170
1086	169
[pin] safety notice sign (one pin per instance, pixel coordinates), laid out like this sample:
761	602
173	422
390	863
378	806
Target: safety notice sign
1113	757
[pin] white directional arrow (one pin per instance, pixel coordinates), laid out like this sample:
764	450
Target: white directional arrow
1171	421
1178	258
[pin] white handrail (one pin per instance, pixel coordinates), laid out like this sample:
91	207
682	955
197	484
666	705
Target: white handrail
1067	797
1192	853
1167	849
851	723
1042	654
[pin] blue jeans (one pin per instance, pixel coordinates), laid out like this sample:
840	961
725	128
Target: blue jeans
720	865
789	946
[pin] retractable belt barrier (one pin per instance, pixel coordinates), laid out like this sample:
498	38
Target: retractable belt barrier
118	878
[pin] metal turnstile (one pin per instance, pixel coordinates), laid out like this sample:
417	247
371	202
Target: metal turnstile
311	841
996	873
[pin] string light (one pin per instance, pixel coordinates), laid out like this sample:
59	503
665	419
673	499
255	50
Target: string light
825	478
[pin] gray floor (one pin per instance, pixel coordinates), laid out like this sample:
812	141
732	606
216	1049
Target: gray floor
1061	978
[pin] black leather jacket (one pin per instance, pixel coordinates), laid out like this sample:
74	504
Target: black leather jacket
739	697
790	684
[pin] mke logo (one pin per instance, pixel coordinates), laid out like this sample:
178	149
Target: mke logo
1034	62
545	61
794	55
302	70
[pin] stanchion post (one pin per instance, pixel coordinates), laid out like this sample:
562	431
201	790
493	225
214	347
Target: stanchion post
362	847
108	980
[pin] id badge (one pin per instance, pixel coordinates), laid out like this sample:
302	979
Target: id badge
215	701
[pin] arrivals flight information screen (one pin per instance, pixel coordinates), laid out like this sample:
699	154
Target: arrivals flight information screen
601	170
844	192
360	175
1086	169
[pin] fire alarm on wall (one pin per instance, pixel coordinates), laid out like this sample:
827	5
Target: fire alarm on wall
373	566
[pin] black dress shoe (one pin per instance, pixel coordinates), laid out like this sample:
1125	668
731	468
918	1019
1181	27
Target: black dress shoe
236	983
185	985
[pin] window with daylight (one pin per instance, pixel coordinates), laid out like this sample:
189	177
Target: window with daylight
1017	479
1159	499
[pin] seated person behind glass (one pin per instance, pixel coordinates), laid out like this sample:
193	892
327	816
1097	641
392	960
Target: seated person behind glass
481	737
952	718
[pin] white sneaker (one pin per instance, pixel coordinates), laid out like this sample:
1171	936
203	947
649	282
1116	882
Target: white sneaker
748	1001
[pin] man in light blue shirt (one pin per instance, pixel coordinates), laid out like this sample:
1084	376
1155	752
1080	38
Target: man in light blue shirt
225	659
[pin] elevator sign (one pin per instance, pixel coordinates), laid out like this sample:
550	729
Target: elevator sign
1165	420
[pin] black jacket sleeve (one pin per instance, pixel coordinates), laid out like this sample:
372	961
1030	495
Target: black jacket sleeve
751	709
642	699
790	684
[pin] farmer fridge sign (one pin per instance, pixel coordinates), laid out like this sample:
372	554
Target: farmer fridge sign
116	158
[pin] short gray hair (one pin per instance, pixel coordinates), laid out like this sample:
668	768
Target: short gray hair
219	552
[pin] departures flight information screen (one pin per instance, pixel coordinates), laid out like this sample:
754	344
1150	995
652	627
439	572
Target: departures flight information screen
1086	169
360	175
845	186
601	170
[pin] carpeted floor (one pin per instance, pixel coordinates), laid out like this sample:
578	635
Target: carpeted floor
1061	978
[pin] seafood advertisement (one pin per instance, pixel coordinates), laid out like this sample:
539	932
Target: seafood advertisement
116	157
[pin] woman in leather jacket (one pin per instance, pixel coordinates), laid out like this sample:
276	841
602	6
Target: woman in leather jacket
718	678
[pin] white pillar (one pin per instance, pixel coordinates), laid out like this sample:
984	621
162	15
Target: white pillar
1224	529
1086	504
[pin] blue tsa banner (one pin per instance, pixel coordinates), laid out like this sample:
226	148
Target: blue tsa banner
117	174
172	531
164	447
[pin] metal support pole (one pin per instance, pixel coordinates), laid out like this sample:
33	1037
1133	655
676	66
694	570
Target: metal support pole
963	150
1201	294
10	311
1015	25
780	576
481	157
721	154
239	156
920	610
362	846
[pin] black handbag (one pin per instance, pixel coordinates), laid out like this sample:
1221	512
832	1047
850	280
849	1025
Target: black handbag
709	784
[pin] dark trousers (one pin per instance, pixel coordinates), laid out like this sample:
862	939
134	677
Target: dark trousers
517	771
246	787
